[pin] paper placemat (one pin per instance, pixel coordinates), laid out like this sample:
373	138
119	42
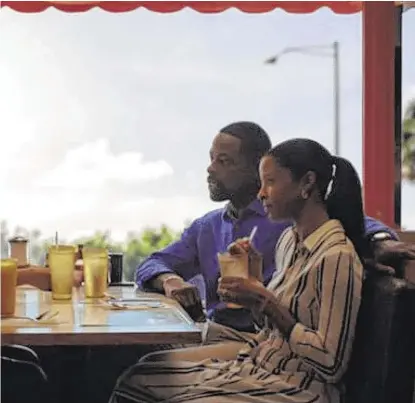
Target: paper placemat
127	318
23	322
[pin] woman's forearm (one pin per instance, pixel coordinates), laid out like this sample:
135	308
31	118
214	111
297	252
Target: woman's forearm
279	316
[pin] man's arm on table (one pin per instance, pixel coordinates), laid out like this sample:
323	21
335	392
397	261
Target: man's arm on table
39	277
36	276
374	227
178	260
388	251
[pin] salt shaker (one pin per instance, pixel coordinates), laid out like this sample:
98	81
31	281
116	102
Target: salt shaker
19	250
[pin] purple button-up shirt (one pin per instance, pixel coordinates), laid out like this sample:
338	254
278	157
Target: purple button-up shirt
195	254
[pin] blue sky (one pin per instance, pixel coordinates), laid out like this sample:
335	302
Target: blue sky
108	118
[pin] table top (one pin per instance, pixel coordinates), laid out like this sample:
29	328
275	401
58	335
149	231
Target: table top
92	322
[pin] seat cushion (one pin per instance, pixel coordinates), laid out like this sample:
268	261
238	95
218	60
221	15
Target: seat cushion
382	366
18	352
23	381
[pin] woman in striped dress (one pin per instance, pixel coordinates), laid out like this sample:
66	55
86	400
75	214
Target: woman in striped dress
307	313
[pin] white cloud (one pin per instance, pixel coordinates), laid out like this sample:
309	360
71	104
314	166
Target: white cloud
134	215
408	94
75	215
92	165
83	190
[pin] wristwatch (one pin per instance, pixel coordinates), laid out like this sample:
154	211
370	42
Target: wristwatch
381	236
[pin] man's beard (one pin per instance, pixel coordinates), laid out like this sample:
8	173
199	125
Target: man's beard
217	191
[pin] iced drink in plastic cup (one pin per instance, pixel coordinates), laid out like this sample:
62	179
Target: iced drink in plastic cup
61	260
8	286
233	266
95	271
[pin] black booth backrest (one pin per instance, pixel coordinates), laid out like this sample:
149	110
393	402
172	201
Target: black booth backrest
382	366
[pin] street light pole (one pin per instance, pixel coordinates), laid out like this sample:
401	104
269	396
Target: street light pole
336	91
319	51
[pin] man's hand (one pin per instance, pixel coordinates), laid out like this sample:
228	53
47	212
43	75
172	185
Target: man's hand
393	250
384	268
187	295
388	253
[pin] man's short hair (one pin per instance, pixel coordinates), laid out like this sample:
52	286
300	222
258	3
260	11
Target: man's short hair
255	142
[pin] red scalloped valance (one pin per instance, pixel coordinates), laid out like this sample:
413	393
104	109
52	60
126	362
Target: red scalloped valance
303	7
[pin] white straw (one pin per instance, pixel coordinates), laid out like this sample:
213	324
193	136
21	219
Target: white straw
252	235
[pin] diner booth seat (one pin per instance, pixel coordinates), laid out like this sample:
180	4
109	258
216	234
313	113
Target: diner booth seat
23	380
382	366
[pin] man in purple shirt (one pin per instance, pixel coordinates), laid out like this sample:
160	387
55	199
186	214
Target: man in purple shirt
232	176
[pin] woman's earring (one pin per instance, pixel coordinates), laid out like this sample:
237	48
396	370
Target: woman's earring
304	194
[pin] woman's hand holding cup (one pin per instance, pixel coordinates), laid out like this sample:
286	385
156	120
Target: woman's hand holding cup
244	246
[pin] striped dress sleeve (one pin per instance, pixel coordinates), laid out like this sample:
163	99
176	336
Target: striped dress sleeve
327	349
284	241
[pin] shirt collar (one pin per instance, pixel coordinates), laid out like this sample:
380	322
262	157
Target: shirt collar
255	207
321	234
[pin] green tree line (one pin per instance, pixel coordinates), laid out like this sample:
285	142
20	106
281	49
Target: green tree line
136	247
408	143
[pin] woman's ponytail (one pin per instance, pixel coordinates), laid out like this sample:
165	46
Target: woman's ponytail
343	196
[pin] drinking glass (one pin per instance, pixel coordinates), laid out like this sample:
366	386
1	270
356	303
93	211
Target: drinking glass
95	271
233	266
61	259
8	286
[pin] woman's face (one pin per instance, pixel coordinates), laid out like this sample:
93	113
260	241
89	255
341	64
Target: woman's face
279	193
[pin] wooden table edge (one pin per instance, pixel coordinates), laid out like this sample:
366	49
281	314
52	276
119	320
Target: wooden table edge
99	339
